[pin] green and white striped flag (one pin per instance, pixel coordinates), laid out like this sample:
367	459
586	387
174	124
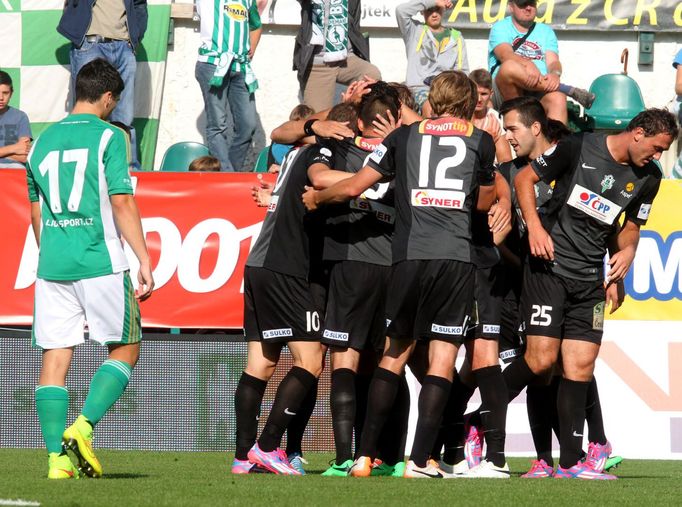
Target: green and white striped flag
37	58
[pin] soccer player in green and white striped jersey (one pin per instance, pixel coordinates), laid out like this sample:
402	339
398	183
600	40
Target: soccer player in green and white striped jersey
230	31
81	203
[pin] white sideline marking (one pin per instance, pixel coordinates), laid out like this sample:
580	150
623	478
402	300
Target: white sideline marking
9	8
4	501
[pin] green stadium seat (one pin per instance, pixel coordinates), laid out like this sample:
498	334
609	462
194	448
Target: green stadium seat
262	161
619	99
180	155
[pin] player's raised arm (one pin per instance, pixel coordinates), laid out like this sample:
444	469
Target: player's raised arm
127	219
323	177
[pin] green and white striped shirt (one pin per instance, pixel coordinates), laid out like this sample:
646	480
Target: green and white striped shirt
225	27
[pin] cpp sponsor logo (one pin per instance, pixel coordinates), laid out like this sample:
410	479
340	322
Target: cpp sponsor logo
335	335
656	272
451	330
594	201
277	333
593	204
453	199
177	255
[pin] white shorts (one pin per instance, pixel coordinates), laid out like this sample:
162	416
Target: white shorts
107	303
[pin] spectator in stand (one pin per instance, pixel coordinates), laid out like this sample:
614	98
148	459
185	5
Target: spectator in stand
205	164
230	32
677	63
523	57
15	131
431	48
330	49
109	29
486	118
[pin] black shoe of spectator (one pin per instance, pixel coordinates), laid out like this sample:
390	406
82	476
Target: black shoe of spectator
582	97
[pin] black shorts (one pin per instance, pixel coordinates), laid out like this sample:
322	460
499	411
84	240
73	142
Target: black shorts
511	330
488	294
430	300
560	307
279	308
356	306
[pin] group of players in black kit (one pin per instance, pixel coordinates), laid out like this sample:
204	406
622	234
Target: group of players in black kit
397	251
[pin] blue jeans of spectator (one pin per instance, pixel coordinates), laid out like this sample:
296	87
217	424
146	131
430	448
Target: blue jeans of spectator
121	56
228	139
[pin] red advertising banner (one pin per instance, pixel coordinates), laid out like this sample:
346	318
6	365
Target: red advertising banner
199	229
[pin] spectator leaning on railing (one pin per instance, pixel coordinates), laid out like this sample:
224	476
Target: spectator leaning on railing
15	131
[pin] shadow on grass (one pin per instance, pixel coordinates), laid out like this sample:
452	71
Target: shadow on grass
125	476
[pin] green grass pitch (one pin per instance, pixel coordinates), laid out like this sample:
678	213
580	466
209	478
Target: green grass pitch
136	478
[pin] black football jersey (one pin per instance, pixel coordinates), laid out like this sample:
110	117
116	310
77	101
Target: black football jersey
291	237
591	192
361	229
437	166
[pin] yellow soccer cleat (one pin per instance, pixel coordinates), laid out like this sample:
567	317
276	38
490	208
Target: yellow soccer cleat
78	439
61	467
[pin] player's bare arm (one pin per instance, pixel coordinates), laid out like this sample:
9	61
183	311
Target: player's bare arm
323	177
294	130
128	221
620	261
499	216
342	191
540	242
35	220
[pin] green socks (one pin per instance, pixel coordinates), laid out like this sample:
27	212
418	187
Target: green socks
52	403
106	387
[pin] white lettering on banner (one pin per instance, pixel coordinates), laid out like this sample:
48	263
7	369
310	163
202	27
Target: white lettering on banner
177	254
657	269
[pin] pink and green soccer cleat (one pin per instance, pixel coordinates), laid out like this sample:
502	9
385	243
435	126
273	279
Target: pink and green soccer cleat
597	455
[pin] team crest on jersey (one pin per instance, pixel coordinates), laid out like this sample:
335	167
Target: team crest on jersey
452	199
607	182
367	143
593	204
236	11
446	127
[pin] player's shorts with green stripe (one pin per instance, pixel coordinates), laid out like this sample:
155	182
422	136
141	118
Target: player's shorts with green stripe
107	303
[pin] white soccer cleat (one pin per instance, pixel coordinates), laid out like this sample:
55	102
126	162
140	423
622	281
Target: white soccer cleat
487	470
454	471
430	471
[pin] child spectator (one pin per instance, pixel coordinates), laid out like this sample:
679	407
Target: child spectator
205	164
15	131
486	118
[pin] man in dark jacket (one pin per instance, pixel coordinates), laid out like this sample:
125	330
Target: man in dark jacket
330	49
109	29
